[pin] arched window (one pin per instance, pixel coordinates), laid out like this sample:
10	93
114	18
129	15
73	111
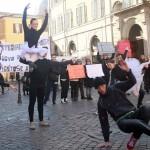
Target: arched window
72	48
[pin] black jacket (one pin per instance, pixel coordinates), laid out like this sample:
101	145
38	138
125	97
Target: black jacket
116	74
30	35
115	103
44	67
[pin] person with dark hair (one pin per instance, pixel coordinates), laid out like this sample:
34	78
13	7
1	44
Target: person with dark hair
74	83
38	79
113	101
31	37
81	82
88	82
51	85
26	82
64	82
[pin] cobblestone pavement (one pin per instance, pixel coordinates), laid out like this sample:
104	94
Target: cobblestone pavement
73	126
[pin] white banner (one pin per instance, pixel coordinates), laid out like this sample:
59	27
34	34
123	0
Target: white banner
94	70
9	62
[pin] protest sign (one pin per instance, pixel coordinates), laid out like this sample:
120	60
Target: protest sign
76	71
106	47
9	62
94	70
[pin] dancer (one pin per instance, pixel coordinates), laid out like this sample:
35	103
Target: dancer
31	37
113	100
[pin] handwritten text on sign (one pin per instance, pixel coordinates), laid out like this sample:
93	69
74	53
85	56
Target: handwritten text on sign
9	62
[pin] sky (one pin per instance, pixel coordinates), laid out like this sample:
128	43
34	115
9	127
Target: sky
17	6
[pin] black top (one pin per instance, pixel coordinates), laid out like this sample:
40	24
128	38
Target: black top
115	103
44	67
31	35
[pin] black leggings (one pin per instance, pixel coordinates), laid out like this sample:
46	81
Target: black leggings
36	93
140	98
137	123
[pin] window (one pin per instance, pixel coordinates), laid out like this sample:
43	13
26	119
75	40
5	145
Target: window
96	11
102	8
54	2
53	27
17	28
68	20
81	14
128	3
60	24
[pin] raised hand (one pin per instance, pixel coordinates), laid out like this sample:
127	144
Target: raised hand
46	11
111	66
123	65
27	6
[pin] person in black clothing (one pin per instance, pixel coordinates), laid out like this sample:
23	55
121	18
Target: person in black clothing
26	82
2	83
113	100
81	82
74	83
51	85
88	82
64	82
32	35
38	78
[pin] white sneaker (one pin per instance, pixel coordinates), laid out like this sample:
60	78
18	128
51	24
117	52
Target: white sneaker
32	126
44	124
66	100
62	101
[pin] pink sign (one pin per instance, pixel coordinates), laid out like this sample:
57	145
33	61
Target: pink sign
123	45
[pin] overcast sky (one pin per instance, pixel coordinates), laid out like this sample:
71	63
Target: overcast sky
17	6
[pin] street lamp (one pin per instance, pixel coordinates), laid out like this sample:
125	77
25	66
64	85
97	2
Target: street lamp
19	101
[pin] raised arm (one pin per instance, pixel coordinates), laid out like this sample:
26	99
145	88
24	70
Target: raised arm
43	27
125	55
59	67
24	22
126	85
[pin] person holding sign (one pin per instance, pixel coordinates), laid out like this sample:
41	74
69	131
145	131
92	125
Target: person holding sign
31	37
88	82
129	119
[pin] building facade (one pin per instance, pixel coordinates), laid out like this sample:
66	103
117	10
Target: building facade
78	26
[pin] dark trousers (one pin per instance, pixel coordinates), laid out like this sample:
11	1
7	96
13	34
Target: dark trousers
74	90
88	92
64	89
51	86
36	93
81	88
137	123
140	98
2	87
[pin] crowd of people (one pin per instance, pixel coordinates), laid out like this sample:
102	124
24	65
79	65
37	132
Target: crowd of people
119	79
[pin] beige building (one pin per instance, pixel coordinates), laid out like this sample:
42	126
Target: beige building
80	25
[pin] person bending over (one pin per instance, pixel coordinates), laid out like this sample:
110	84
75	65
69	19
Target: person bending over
113	101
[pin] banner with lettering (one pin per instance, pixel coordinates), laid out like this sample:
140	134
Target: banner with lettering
9	62
76	71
